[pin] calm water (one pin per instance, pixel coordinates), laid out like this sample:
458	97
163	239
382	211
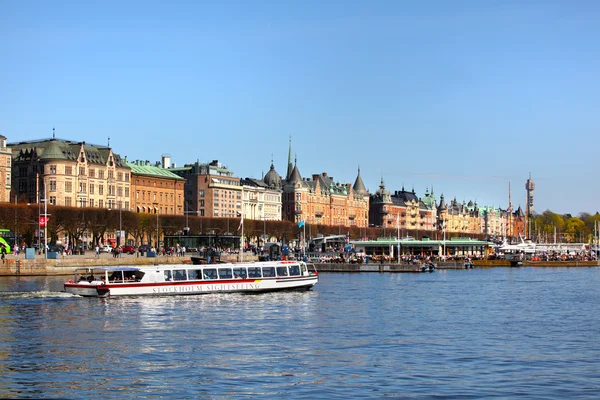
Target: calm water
522	332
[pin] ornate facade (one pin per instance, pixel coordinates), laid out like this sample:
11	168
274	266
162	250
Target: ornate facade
75	174
5	171
403	210
262	198
322	201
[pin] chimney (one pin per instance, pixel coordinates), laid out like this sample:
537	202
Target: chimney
166	161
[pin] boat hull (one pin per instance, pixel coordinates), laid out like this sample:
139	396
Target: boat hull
192	287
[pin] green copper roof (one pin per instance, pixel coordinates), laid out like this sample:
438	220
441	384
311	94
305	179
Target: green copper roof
150	170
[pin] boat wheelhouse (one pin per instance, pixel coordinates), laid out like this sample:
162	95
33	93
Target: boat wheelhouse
189	279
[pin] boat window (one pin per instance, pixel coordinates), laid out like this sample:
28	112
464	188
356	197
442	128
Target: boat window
194	274
138	275
303	269
116	276
239	273
179	274
168	275
282	271
128	276
294	269
268	271
210	273
225	273
254	272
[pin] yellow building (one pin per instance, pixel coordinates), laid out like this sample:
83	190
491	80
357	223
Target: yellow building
75	174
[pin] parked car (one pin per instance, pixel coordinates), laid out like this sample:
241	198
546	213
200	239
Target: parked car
128	249
106	248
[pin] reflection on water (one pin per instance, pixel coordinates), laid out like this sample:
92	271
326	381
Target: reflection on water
479	333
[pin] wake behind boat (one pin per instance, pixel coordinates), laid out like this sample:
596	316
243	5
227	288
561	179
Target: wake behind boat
186	279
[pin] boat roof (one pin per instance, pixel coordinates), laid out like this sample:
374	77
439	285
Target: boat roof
109	269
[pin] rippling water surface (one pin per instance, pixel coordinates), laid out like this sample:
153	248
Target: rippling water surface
527	332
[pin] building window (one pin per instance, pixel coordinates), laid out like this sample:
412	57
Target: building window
91	202
111	174
91	188
201	203
201	193
91	172
101	189
68	187
53	169
202	213
101	174
120	191
119	176
82	187
52	186
53	200
68	170
81	170
126	177
126	192
100	203
127	205
68	201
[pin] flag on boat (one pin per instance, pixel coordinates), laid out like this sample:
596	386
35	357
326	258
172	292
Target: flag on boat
301	224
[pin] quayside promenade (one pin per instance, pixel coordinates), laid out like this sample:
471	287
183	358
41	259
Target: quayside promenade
64	265
403	267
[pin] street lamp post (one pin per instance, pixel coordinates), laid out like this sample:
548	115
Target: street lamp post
156	211
120	227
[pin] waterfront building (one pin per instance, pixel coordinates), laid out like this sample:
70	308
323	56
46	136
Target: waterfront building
262	197
155	189
75	174
5	171
459	217
494	221
322	201
402	210
518	223
211	189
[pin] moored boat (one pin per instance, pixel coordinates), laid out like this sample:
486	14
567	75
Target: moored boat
186	279
428	267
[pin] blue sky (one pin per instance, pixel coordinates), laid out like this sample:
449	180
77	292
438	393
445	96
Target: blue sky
461	96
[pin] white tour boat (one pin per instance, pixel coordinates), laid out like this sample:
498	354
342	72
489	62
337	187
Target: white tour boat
188	279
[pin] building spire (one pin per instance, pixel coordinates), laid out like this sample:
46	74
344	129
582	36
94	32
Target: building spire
290	161
53	133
